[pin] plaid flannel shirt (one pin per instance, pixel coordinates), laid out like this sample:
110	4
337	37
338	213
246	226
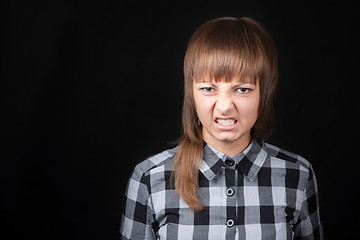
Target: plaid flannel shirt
262	193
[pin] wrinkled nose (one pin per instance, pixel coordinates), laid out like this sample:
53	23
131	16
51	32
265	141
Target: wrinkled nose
224	104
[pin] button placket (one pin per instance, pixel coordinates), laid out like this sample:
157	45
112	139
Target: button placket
230	184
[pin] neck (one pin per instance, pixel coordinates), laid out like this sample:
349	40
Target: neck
231	148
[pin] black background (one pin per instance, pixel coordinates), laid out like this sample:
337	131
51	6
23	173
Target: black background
89	89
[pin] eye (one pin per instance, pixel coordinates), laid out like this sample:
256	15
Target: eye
207	89
243	90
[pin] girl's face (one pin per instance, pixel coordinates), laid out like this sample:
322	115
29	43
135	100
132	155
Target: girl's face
227	112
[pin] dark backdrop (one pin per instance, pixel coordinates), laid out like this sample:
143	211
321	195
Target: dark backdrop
90	89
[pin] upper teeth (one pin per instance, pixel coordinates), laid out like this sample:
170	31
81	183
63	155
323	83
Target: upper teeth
226	121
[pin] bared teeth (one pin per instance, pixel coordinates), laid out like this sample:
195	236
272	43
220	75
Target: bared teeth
226	122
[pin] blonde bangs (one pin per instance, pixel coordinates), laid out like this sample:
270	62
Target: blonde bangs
227	52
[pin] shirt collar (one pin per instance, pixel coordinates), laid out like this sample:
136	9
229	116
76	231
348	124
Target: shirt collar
249	161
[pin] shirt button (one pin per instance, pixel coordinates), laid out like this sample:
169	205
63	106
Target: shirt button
229	192
229	162
230	223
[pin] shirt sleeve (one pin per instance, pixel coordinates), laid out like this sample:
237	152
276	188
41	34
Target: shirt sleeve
137	218
308	225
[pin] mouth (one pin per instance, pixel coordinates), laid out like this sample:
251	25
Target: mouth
226	122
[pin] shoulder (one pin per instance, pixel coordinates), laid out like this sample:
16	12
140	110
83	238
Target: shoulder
298	171
162	161
281	157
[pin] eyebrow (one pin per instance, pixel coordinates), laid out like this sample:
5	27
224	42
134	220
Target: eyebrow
213	83
245	83
239	80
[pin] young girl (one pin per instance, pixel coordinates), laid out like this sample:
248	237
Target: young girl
223	181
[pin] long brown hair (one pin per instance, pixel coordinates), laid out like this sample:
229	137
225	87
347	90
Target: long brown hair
221	49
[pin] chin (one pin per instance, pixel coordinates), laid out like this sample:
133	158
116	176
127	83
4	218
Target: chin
228	138
231	137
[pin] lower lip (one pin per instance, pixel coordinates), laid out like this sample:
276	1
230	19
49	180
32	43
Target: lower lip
226	127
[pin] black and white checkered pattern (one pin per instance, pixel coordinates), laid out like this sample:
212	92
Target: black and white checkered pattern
262	193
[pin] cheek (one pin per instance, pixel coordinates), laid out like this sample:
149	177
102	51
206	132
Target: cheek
204	107
248	110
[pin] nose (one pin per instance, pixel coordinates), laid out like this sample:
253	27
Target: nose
224	104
